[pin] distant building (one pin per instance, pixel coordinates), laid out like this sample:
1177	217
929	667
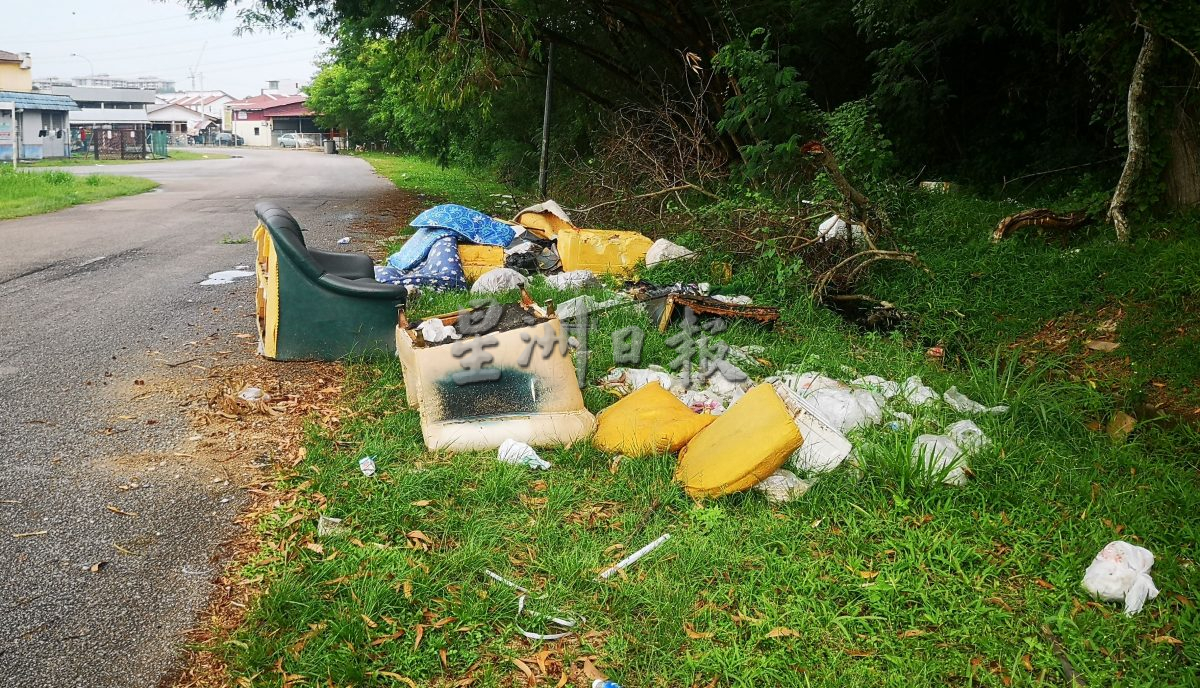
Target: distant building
151	83
207	102
39	121
261	120
281	87
16	72
180	121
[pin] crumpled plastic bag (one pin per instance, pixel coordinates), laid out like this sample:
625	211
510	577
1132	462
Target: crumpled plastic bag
498	280
575	279
964	404
1121	572
916	393
834	227
663	250
804	383
940	456
885	387
742	300
520	454
433	330
783	486
967	435
824	447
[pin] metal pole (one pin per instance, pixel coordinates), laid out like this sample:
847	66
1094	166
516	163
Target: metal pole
546	123
16	137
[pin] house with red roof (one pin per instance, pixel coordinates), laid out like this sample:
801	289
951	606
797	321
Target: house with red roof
261	120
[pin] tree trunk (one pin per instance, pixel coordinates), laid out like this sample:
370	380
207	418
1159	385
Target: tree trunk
1135	114
1182	175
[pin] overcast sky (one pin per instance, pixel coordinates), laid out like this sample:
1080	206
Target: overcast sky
133	38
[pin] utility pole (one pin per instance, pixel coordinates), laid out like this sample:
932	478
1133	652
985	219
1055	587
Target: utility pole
546	123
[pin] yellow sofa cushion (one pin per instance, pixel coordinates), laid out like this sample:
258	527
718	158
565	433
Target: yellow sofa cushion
741	447
648	421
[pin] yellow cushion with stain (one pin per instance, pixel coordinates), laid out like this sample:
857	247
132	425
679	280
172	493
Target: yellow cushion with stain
648	421
545	224
741	447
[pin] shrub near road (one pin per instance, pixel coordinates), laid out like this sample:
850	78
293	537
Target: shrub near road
33	193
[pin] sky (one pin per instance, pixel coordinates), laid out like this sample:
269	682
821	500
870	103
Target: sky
131	38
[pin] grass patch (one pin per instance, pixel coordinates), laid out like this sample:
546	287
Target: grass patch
870	579
473	189
231	239
85	161
34	193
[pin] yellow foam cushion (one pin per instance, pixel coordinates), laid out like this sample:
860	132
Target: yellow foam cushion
741	447
478	260
603	251
545	224
648	421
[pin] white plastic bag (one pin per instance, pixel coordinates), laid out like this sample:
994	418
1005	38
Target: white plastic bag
433	330
967	435
834	227
938	455
964	404
1121	572
520	454
782	486
498	280
887	388
916	393
663	250
824	447
574	279
734	300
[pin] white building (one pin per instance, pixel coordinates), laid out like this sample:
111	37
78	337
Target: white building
210	103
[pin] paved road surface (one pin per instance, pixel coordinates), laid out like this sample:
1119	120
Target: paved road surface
92	298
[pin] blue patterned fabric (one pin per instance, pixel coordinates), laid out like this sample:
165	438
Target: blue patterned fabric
441	270
471	225
416	249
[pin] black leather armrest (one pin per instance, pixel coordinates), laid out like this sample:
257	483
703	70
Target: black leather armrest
364	288
349	265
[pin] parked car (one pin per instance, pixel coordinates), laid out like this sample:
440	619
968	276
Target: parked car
295	141
227	139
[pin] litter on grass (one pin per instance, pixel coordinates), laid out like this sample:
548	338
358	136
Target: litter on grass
328	525
225	277
520	454
663	250
783	486
367	465
498	280
576	279
940	457
632	558
961	403
1121	573
557	617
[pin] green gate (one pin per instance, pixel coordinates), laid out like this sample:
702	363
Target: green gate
158	144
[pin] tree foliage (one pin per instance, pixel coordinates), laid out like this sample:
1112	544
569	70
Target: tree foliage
988	89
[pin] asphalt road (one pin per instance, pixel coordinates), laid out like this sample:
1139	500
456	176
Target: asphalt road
93	299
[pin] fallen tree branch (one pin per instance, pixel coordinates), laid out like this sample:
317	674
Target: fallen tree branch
1039	217
673	189
868	257
868	211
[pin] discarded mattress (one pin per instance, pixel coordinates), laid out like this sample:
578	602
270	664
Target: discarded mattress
741	448
648	421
